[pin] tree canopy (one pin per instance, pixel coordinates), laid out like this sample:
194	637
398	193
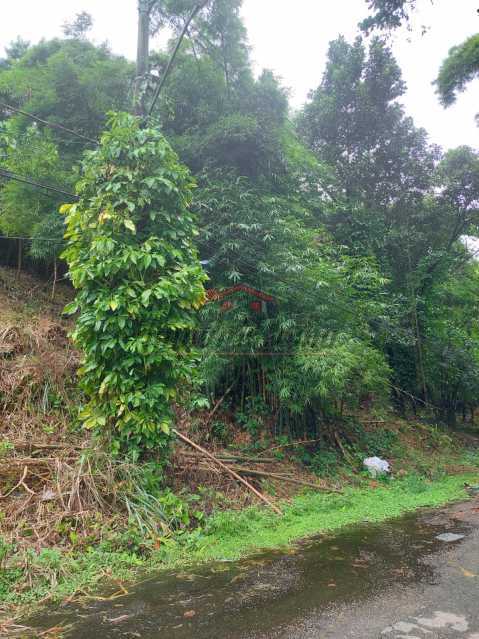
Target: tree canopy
459	68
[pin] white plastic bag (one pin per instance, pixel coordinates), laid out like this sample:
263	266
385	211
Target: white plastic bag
376	466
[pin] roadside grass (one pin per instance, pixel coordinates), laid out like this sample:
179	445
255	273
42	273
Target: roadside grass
231	535
53	575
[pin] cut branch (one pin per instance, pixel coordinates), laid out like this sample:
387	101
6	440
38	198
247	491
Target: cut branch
292	480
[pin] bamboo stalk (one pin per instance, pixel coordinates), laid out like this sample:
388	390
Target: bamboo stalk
22	444
218	404
344	452
229	470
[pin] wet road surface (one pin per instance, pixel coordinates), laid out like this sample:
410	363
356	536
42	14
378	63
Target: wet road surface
394	580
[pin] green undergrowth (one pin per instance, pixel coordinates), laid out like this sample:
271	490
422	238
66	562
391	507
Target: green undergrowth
225	535
231	535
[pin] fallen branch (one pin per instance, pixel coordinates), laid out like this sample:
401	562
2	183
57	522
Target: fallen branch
229	470
278	476
34	461
285	478
33	445
21	482
243	458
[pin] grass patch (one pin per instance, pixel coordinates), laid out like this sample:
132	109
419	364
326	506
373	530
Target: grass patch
225	536
231	535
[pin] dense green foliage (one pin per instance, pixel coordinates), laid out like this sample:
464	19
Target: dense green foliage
398	197
69	82
458	69
131	256
347	220
302	354
33	154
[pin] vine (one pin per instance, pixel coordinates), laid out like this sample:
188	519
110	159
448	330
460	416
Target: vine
132	257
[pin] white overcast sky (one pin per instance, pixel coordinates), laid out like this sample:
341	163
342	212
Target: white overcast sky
291	38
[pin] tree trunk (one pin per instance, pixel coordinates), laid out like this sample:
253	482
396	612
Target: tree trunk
19	258
451	416
55	277
419	354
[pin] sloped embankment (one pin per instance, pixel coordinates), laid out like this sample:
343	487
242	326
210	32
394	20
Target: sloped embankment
71	516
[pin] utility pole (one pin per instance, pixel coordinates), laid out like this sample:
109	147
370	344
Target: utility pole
143	53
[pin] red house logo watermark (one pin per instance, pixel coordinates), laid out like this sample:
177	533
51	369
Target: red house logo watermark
258	302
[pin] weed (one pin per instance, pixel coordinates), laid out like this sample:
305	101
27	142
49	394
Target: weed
220	431
471	457
325	463
251	423
6	447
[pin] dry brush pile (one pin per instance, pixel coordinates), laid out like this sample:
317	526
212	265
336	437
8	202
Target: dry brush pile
56	488
38	453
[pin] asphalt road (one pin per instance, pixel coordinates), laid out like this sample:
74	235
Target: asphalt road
394	580
443	605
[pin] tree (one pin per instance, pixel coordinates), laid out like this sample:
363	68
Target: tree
71	82
399	199
220	33
387	14
459	68
223	118
354	123
132	258
163	11
15	50
79	27
23	206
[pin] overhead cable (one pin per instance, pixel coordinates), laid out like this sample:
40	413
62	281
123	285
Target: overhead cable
52	125
9	175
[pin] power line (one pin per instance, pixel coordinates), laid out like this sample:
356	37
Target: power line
52	125
190	18
31	239
9	175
